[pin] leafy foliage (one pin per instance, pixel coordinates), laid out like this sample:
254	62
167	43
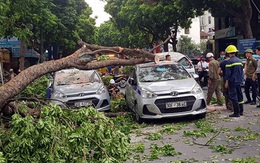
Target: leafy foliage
118	103
106	79
48	22
82	135
187	46
222	149
166	150
152	17
38	87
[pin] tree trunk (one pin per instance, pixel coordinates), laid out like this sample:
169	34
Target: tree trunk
247	29
246	20
22	56
24	78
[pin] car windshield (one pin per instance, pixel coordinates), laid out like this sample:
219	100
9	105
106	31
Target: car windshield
70	77
162	73
185	63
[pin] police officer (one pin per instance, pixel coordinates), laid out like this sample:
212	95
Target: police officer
214	80
234	77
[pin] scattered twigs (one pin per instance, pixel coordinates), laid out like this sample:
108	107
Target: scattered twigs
211	139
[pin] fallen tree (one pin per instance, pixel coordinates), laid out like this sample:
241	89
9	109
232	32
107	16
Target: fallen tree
81	59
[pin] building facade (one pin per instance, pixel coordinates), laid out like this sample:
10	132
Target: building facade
228	30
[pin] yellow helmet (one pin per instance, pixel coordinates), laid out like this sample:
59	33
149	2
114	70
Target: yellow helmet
231	49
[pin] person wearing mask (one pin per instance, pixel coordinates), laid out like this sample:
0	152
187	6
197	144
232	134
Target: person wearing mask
222	72
250	69
202	67
221	56
234	77
214	80
257	51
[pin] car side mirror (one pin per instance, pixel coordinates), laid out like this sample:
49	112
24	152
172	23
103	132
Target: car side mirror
132	81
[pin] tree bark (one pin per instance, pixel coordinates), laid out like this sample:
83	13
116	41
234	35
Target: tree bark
22	55
247	10
76	60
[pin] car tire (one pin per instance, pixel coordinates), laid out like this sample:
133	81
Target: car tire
137	116
122	83
201	116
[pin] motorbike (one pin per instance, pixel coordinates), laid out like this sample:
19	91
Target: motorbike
121	80
204	79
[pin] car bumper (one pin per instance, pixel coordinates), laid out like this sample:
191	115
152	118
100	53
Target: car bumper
156	108
100	102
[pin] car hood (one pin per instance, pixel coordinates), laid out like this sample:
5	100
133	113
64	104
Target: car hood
78	88
184	85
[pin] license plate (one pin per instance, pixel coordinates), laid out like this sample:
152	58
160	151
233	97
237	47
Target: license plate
83	103
179	104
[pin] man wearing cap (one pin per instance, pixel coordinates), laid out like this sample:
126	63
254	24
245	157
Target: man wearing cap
257	51
234	77
250	72
214	80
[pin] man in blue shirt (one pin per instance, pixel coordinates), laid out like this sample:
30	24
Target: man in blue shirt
222	72
234	77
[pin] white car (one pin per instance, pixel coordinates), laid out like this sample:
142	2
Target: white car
79	88
180	58
164	90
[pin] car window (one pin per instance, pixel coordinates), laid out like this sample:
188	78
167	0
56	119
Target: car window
162	73
185	62
69	77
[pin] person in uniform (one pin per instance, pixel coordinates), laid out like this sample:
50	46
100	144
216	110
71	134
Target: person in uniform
222	72
250	72
257	51
234	77
214	80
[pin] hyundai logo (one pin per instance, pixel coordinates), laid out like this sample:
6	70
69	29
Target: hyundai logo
174	93
81	94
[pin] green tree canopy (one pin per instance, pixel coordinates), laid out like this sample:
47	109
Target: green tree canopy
59	22
108	34
152	17
187	46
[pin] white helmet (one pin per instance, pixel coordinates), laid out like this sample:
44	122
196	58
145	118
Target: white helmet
209	55
112	81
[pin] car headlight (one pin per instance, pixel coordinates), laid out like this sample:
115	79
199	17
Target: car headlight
197	89
101	90
148	94
58	94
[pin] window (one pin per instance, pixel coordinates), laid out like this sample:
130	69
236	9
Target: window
209	19
187	31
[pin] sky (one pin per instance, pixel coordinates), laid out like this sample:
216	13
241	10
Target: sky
98	10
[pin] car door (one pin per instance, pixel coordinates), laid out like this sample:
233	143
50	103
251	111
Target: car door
186	63
131	89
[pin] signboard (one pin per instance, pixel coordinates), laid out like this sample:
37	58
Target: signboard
15	46
227	32
246	44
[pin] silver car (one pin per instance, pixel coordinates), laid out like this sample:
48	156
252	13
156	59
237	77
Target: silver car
80	88
164	90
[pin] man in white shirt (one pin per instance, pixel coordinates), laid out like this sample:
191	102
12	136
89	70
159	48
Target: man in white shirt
202	67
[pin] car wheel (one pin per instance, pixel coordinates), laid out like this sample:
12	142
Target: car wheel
137	116
122	83
201	116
